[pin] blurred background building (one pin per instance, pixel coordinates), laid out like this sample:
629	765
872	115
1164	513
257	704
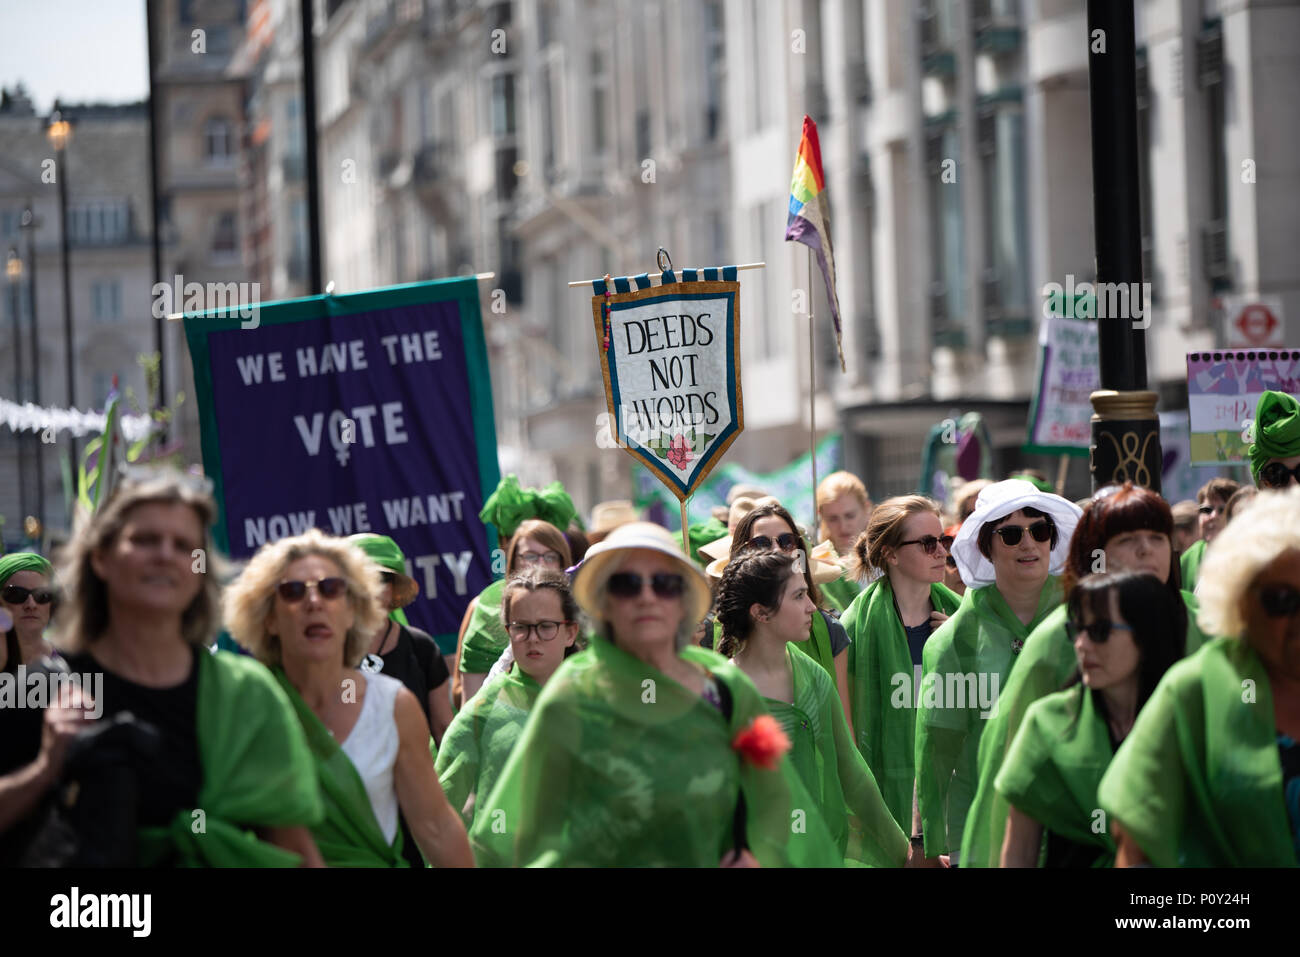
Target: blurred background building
558	140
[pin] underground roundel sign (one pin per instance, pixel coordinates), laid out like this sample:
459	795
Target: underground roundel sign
670	356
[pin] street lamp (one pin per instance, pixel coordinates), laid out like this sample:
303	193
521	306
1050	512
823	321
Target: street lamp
29	224
59	131
14	273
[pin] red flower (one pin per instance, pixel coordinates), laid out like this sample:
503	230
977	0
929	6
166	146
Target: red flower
680	452
762	743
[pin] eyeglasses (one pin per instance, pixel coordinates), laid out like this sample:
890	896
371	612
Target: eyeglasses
539	558
328	588
546	630
630	584
1011	534
1277	475
17	595
930	543
1099	631
786	541
1279	601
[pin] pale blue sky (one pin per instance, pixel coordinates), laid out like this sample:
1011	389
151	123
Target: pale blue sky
79	50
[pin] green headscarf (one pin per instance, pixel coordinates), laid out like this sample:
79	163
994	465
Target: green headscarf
1277	430
701	533
1041	484
17	562
385	553
510	506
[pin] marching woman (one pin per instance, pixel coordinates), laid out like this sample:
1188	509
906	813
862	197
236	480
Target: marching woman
1123	528
306	607
644	750
27	596
769	526
888	625
1210	774
1212	504
141	611
764	608
1007	551
541	618
482	636
1128	629
843	510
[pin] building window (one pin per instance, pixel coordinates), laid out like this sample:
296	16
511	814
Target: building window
599	101
225	239
946	303
106	300
218	141
1005	280
715	68
503	104
98	223
1214	234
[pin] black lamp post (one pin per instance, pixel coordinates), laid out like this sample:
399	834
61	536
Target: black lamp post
14	273
29	224
1125	427
60	131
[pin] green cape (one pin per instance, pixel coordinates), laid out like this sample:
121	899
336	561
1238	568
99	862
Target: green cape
879	652
972	653
481	737
1054	766
1198	781
619	765
832	770
1189	563
1046	663
257	772
485	638
349	835
1277	430
840	593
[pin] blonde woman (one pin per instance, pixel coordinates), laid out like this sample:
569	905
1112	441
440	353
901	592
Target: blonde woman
141	608
843	510
888	626
1210	774
306	607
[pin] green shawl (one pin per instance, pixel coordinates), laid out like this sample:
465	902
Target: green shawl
619	765
481	737
349	835
485	638
257	772
1198	781
840	593
1054	766
878	653
1189	563
832	770
1046	663
969	657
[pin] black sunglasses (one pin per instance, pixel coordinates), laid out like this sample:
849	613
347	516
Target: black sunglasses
786	541
1098	632
629	584
17	595
1011	534
930	543
296	591
1277	475
1279	601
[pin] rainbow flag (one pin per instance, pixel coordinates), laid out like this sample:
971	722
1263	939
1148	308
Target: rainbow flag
809	221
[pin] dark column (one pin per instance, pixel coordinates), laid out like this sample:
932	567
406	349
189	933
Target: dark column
309	140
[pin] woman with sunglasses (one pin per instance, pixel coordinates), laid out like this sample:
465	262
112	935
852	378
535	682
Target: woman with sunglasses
141	610
1210	774
1008	551
645	750
541	617
1128	628
765	611
535	543
888	625
306	607
1123	528
27	597
768	525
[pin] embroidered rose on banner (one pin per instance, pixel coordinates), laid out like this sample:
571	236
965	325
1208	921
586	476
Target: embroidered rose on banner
681	449
679	453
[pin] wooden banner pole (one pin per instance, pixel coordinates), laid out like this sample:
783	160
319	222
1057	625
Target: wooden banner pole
686	538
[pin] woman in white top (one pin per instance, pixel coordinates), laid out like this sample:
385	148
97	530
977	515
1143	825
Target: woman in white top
306	606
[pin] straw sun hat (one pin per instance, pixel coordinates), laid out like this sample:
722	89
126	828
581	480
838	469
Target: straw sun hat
603	558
